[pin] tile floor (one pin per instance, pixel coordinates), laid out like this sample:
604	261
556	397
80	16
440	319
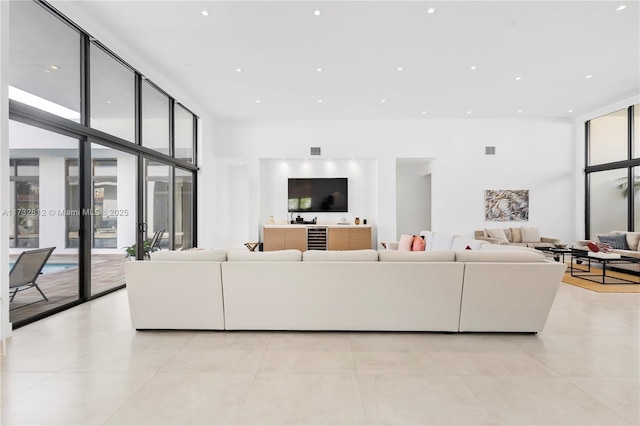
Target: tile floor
87	366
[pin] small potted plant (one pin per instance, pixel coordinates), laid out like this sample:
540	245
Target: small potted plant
131	250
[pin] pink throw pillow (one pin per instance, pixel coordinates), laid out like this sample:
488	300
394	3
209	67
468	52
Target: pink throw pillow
406	241
418	244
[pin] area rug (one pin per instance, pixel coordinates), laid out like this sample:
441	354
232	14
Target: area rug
604	288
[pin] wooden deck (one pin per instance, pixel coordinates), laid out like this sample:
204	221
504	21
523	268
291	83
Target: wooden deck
61	287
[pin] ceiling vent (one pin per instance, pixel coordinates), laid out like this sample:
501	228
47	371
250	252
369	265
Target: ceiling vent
489	150
315	150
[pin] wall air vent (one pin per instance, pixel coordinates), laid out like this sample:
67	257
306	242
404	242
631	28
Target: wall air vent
489	150
315	150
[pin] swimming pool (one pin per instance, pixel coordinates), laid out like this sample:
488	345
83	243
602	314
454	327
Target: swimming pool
50	268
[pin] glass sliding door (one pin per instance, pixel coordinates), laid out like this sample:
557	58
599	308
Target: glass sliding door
158	200
113	214
183	211
41	195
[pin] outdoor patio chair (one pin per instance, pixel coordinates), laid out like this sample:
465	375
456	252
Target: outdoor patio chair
27	269
156	240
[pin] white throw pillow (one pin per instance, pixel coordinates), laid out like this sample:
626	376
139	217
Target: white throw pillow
498	234
530	235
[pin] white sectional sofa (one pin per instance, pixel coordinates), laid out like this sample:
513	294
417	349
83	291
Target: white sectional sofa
441	290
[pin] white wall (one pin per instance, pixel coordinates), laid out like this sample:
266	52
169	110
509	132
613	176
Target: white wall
534	154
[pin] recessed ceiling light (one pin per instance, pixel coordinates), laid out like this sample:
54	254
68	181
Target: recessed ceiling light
316	12
431	10
205	13
47	71
468	112
108	102
424	112
518	78
473	67
588	76
383	100
319	101
319	69
238	69
399	68
519	111
621	7
257	101
570	110
54	67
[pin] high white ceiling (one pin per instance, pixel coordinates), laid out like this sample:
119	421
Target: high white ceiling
532	58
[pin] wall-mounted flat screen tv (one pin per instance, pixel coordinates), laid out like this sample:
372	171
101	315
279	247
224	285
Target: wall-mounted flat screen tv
318	195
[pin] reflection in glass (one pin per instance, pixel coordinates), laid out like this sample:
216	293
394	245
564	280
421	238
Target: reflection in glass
39	190
112	95
183	209
608	138
608	201
44	66
636	199
183	144
155	118
636	130
157	200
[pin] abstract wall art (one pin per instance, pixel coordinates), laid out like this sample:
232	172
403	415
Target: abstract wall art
506	205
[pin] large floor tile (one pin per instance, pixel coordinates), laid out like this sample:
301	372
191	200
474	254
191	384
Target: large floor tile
539	401
303	399
15	383
497	364
392	342
621	395
185	399
421	400
310	341
401	363
72	399
208	361
307	362
230	341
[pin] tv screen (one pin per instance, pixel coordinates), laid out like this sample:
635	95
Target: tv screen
318	195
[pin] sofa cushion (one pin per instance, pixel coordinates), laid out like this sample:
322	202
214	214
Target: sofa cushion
417	256
189	256
516	235
428	239
264	256
617	241
498	256
633	239
461	243
405	243
441	241
530	235
367	255
499	234
418	244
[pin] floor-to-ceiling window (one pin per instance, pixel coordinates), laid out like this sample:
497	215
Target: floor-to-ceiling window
100	157
41	158
612	179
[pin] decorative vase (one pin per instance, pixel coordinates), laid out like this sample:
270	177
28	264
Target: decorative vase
357	221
